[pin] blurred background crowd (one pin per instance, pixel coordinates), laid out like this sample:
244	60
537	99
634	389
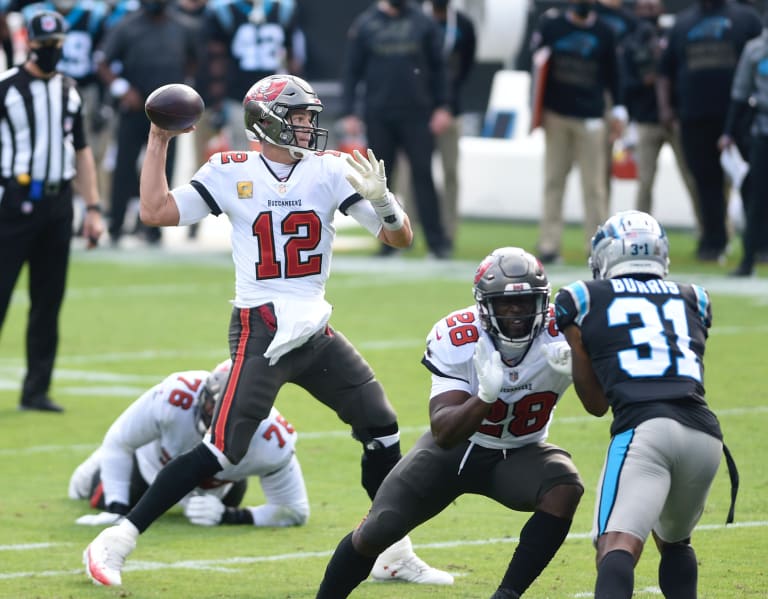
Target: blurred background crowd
621	79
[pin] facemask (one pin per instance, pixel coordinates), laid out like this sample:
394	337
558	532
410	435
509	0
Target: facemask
46	58
582	9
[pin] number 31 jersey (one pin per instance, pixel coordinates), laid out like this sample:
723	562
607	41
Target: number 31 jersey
523	411
646	341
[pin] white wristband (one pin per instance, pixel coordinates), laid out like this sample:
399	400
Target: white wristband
389	212
119	87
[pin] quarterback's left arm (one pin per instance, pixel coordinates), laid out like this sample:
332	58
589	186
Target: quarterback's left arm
585	382
370	181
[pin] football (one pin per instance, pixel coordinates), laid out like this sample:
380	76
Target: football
174	107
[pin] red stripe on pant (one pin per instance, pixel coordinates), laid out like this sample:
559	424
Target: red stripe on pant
234	376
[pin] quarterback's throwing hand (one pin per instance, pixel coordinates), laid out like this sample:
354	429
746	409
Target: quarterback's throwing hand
490	371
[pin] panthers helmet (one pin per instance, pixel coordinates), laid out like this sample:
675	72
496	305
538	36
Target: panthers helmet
511	274
267	105
629	243
211	393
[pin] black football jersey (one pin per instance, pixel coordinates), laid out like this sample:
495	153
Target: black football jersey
646	340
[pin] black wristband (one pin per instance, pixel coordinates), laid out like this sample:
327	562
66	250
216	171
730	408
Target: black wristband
118	508
234	515
93	208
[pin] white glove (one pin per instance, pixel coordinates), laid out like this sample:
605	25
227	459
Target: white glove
559	357
100	519
204	510
372	185
490	371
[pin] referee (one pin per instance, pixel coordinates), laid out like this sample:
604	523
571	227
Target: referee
43	150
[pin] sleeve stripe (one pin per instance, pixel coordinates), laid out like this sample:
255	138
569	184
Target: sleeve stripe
350	201
206	195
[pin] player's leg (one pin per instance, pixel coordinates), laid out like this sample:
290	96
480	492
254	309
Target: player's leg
287	502
539	478
632	490
248	397
699	459
341	379
422	484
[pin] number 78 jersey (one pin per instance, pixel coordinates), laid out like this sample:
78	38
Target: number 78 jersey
525	406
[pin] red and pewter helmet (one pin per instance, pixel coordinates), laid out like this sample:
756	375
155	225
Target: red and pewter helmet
511	274
267	108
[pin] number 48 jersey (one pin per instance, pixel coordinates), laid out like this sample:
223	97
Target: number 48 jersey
524	409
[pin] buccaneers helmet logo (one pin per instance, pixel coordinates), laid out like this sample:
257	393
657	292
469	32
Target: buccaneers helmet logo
269	91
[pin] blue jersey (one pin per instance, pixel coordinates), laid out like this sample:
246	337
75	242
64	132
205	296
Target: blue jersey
646	340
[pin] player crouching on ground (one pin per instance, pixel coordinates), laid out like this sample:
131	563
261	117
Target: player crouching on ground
171	418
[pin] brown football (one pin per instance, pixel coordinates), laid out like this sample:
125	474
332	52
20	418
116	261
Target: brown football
174	107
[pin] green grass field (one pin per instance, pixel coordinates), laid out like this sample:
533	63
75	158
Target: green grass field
133	316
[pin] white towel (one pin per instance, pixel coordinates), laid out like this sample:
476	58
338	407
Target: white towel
297	321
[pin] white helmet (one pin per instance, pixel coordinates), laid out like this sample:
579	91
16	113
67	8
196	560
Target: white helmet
629	243
212	389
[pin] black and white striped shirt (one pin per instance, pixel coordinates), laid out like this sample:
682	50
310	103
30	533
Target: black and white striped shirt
41	127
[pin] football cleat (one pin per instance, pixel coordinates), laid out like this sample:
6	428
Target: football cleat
399	562
105	556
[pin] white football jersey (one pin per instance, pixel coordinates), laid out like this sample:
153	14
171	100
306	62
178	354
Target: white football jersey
162	424
165	414
282	227
523	412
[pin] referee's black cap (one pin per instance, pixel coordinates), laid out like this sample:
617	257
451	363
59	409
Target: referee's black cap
46	25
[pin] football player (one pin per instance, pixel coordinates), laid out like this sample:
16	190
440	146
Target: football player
637	344
170	419
281	202
498	369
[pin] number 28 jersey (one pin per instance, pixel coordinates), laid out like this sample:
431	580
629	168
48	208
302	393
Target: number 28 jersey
523	411
282	227
646	341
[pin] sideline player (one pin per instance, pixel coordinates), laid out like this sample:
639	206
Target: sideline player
498	369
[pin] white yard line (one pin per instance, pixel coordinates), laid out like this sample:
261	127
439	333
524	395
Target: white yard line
227	564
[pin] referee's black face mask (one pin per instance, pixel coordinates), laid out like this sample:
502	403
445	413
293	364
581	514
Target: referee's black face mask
46	56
